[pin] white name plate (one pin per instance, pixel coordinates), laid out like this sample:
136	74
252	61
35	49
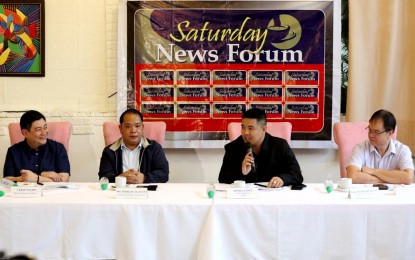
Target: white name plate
131	193
364	193
26	192
242	193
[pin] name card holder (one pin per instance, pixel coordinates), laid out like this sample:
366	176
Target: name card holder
242	193
364	193
26	192
131	193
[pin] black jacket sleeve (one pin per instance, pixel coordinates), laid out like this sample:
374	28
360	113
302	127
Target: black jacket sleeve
154	165
287	166
231	169
108	165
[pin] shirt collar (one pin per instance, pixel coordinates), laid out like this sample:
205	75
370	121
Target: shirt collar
391	148
40	149
123	146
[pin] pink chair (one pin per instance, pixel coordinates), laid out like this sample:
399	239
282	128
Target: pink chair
154	130
58	131
278	129
346	136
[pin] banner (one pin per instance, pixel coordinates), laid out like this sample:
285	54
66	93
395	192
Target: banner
198	65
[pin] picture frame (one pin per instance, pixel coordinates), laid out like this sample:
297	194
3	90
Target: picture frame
22	38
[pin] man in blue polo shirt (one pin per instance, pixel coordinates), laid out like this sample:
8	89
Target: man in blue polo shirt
37	158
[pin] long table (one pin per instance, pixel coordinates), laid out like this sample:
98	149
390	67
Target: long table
178	221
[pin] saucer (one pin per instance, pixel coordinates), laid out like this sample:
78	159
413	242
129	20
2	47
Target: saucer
354	186
342	190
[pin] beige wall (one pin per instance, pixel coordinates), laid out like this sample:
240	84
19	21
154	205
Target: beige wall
80	61
81	54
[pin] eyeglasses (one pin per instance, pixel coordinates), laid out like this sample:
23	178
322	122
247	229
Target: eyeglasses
376	132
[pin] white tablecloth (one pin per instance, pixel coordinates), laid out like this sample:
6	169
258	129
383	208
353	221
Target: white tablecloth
178	221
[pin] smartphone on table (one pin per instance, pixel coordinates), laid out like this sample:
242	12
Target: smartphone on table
381	186
298	186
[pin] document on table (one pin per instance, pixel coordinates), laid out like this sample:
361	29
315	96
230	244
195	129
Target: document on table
264	186
259	185
61	186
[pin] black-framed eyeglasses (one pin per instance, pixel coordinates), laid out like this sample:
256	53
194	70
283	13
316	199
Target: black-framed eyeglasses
376	132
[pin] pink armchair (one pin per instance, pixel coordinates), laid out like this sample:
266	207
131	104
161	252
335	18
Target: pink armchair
154	130
58	131
346	136
278	129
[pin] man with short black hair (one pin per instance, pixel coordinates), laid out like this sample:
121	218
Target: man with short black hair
273	158
380	159
133	156
37	158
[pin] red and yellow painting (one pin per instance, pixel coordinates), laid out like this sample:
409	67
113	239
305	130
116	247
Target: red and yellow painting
21	38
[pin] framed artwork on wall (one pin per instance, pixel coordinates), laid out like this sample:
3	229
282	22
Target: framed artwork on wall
22	38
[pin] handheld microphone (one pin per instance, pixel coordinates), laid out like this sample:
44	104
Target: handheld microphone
249	150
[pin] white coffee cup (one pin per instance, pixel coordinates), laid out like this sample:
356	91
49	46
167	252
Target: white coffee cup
238	184
345	183
120	182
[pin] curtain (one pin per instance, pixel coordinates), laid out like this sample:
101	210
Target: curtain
382	63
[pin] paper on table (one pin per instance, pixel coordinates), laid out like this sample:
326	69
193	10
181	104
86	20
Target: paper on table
264	186
61	186
224	186
354	186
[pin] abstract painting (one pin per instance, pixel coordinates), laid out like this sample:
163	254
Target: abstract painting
22	38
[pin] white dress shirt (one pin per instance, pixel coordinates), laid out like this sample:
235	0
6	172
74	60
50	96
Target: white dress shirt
130	158
397	157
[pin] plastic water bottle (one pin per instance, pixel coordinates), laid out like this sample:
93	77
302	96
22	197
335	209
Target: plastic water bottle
328	184
6	183
104	183
210	191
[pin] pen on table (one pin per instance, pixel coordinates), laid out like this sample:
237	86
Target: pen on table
262	185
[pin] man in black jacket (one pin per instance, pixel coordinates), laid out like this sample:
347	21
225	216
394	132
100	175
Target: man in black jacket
139	159
271	159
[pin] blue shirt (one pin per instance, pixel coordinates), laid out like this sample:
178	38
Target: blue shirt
49	157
